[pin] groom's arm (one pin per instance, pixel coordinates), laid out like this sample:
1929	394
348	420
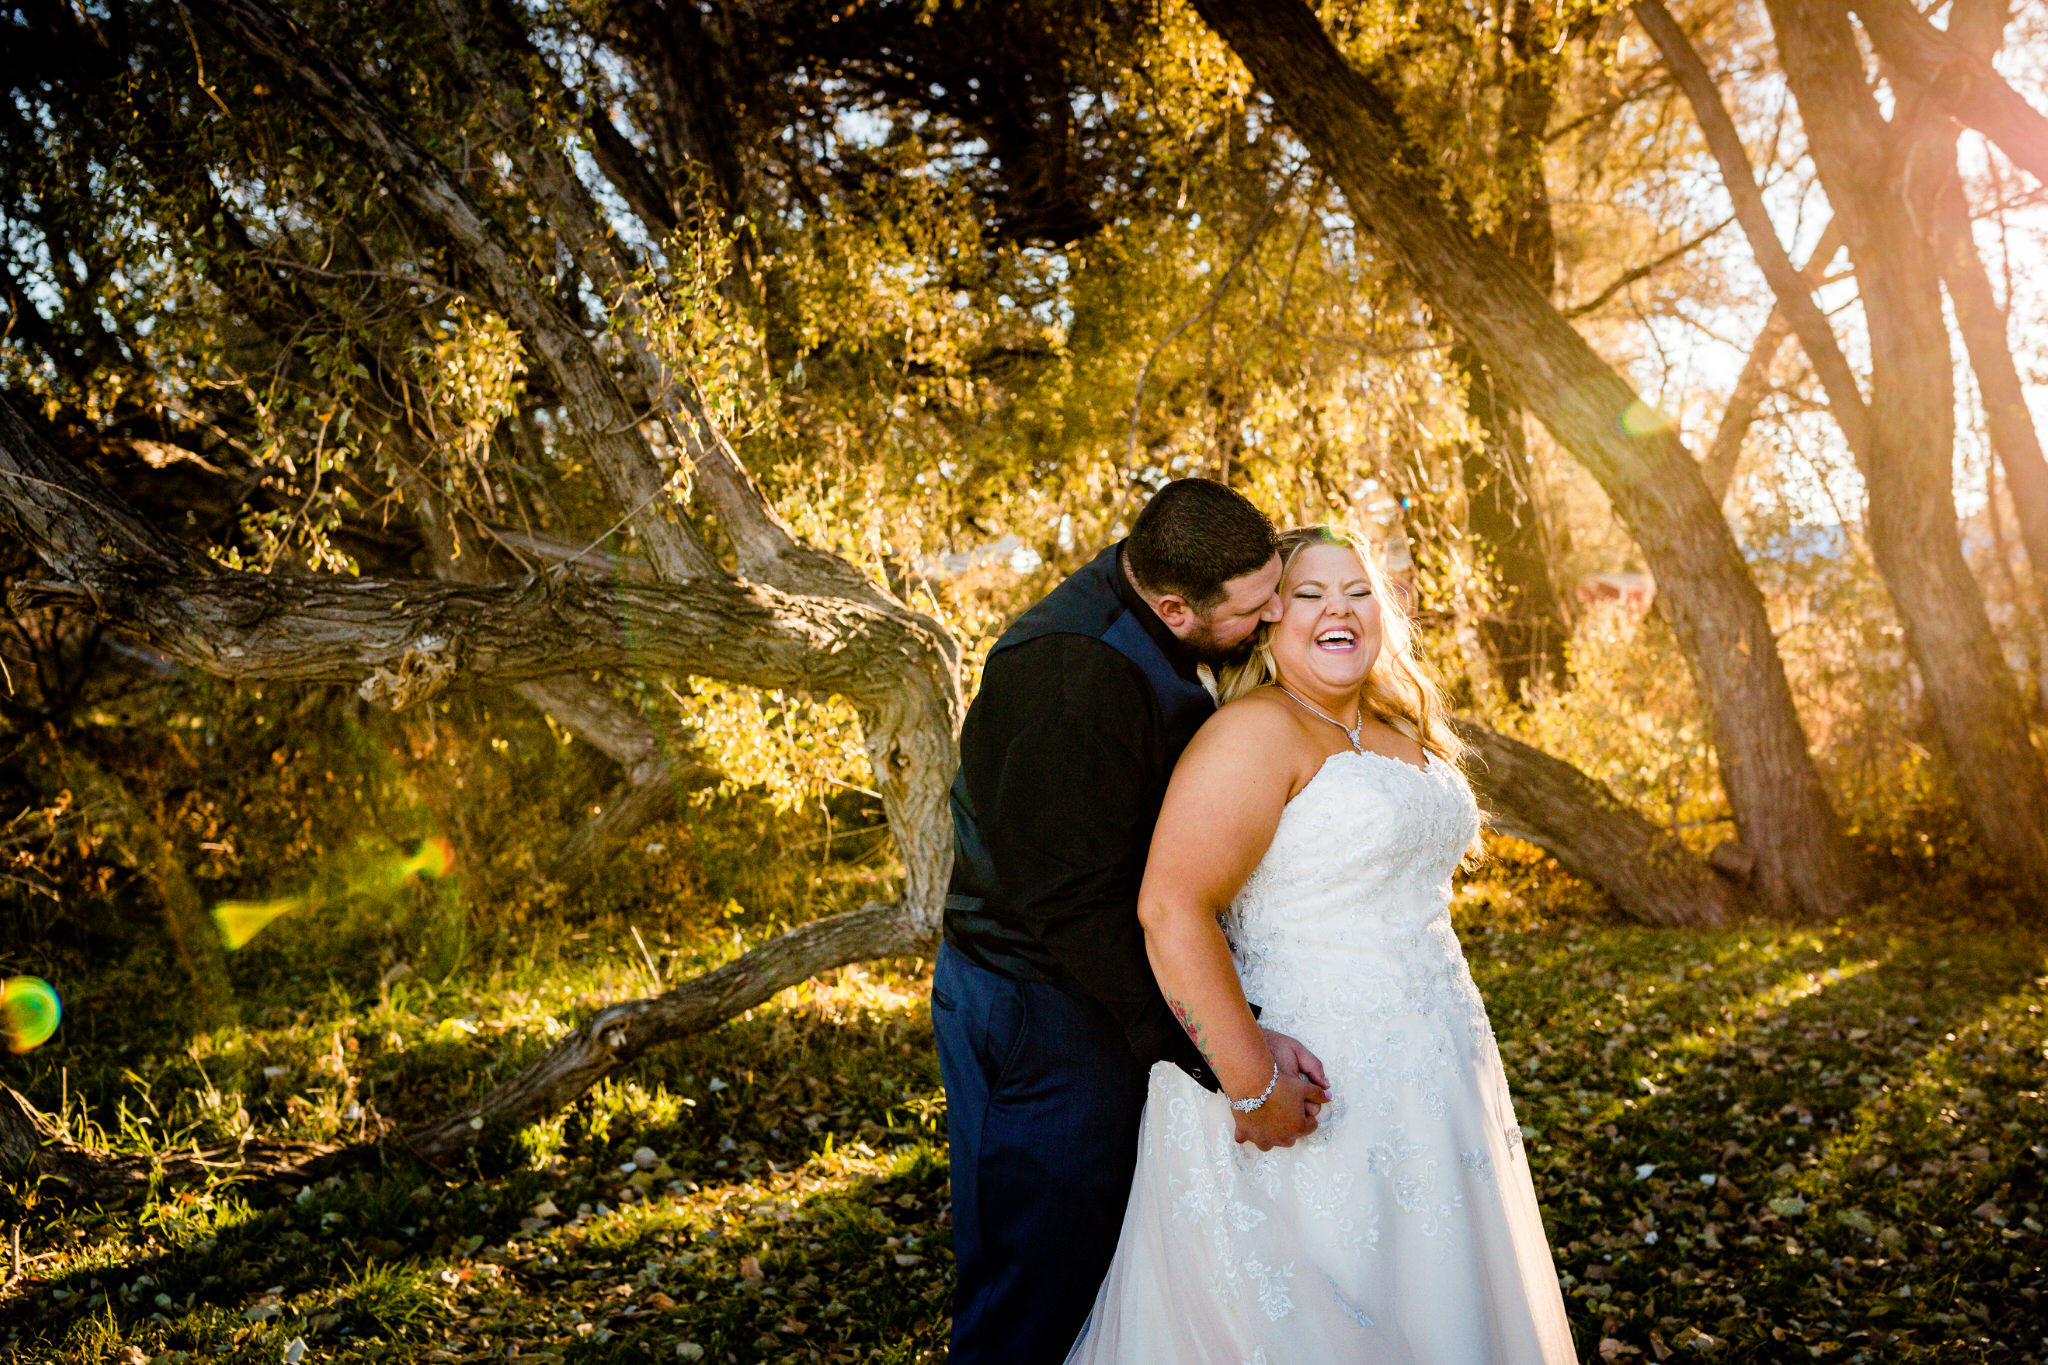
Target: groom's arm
1063	769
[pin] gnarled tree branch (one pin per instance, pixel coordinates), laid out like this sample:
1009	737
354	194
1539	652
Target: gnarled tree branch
1724	452
1591	831
1962	82
610	425
1788	284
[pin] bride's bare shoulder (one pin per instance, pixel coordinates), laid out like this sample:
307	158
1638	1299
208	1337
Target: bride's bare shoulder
1258	726
1256	712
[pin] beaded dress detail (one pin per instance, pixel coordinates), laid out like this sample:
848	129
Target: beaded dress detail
1405	1230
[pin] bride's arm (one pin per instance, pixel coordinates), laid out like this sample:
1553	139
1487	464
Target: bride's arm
1219	815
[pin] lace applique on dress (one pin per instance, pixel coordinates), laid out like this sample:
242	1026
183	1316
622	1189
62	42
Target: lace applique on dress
1343	933
1403	1229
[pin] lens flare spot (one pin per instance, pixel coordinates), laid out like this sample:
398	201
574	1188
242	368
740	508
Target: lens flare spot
29	1012
436	857
1640	419
240	921
383	875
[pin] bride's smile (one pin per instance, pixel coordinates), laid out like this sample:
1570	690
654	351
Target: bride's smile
1328	637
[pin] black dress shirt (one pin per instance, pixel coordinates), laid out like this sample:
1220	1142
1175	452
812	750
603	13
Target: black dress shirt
1065	758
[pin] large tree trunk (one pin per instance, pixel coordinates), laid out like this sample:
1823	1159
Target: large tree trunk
1909	446
1524	631
1524	634
1354	132
2007	418
1978	27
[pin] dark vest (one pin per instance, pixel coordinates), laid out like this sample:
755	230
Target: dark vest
1087	604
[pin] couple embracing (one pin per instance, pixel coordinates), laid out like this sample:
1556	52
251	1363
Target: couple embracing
1329	1167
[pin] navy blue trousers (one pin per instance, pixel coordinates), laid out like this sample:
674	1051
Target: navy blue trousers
1043	1098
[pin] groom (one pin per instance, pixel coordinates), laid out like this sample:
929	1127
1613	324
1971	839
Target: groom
1046	1012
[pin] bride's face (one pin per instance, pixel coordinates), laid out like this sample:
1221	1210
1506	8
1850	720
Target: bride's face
1329	633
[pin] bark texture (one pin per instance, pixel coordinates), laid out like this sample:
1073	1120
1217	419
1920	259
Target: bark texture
1907	458
1592	832
1961	81
794	617
1355	134
654	772
1524	631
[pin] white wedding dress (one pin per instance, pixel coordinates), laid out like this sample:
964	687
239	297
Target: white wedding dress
1404	1231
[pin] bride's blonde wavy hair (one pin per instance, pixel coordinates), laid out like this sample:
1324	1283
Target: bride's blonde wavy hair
1397	691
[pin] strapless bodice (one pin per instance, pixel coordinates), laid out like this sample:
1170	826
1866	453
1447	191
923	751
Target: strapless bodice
1347	915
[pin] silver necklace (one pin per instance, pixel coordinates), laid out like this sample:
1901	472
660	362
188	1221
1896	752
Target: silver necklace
1351	732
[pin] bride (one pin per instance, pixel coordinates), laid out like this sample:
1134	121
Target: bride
1321	814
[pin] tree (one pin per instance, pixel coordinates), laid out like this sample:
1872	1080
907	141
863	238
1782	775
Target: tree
467	430
1958	77
1906	448
1979	28
1351	127
798	618
1952	640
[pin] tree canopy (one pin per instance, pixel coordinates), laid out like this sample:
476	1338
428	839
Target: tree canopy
676	365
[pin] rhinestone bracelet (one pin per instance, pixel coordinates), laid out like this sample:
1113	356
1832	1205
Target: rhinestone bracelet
1247	1106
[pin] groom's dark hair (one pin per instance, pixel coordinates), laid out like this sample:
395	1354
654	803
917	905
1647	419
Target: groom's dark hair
1195	536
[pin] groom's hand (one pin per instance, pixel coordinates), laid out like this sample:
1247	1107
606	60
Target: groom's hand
1287	1116
1290	1113
1294	1059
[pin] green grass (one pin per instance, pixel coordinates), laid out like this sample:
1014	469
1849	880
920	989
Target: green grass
1802	1144
1868	1099
799	1199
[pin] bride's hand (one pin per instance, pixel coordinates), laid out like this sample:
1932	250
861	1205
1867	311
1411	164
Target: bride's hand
1287	1116
1294	1059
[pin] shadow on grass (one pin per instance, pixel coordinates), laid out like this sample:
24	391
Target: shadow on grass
1866	1100
1782	1140
828	1098
835	1260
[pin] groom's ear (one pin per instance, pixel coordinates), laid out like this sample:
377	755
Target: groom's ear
1175	611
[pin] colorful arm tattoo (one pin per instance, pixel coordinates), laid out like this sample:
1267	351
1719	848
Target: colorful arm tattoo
1193	1027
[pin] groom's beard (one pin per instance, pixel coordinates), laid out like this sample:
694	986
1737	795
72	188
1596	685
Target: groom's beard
1203	646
